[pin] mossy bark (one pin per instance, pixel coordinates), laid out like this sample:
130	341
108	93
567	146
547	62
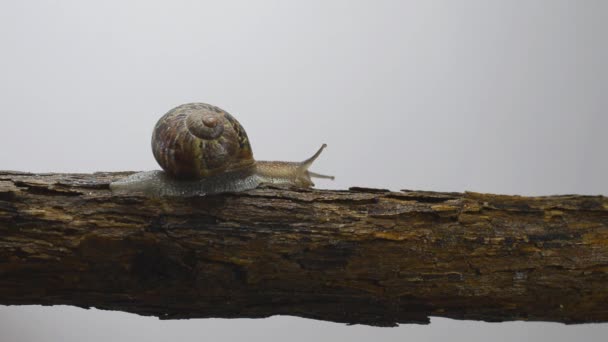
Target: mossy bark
366	256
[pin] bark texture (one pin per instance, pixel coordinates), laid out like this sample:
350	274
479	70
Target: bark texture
366	256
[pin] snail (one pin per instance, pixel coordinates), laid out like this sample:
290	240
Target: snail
204	150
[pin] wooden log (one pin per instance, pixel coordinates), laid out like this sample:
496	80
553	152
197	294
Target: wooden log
366	256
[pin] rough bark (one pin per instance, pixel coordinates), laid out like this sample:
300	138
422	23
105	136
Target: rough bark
365	256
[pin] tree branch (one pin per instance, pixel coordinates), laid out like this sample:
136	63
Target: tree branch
365	256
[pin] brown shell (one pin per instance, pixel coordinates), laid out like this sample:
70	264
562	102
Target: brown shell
197	140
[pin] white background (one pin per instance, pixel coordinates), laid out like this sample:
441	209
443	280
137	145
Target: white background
489	96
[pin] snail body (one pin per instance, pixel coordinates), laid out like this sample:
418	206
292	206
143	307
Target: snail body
204	150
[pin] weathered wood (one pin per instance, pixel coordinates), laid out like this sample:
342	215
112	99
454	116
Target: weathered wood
360	256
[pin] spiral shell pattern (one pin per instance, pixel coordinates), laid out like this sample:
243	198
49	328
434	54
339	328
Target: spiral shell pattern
197	140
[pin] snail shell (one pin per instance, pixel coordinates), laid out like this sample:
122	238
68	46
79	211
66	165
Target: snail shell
204	150
198	140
